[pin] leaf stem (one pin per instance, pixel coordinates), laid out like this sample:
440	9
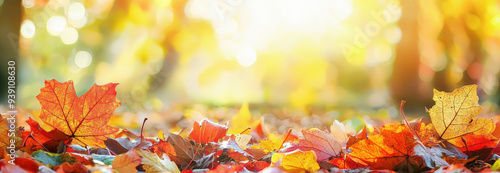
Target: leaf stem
288	134
142	128
248	128
31	136
406	121
195	153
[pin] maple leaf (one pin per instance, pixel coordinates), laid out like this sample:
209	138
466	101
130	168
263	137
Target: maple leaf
207	131
153	163
385	150
454	113
296	161
84	118
324	145
50	140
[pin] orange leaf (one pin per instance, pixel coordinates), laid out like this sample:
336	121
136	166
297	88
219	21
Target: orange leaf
347	162
386	150
454	113
207	131
126	162
84	118
163	147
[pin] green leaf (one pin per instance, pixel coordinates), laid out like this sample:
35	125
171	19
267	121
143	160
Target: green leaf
106	159
52	158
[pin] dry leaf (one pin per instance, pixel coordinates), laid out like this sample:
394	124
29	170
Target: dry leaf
454	113
153	163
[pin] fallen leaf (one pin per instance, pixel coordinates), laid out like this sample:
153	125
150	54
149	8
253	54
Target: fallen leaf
84	118
50	140
338	131
234	150
153	163
70	168
126	162
207	131
163	147
347	162
256	166
325	146
124	144
296	161
454	113
386	150
241	121
356	138
185	151
52	158
222	168
471	142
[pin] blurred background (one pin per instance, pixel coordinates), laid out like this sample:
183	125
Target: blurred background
291	54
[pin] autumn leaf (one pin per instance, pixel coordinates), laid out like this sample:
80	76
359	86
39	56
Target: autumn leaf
385	150
50	140
356	138
83	118
163	147
184	150
324	145
454	113
4	138
296	161
70	168
347	162
153	163
52	158
241	121
207	131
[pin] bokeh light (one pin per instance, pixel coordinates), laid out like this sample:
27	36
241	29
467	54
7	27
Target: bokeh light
28	29
299	54
56	24
83	59
69	35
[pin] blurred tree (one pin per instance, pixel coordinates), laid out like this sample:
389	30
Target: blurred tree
10	23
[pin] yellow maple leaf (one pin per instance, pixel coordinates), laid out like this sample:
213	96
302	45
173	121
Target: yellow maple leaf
296	161
454	113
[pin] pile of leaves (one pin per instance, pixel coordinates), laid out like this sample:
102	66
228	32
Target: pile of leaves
80	140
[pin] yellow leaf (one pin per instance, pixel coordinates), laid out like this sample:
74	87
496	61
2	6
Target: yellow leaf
454	113
241	121
296	161
496	166
153	163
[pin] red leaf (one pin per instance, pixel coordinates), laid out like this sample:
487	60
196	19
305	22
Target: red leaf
207	131
49	140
